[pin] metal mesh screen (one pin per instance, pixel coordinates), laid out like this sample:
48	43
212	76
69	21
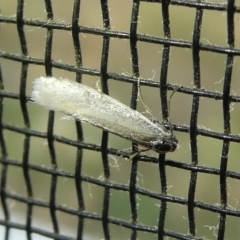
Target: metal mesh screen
68	180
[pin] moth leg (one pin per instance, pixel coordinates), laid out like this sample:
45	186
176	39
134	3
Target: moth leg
141	98
138	152
133	155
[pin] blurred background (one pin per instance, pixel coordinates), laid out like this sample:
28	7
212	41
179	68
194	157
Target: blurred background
213	64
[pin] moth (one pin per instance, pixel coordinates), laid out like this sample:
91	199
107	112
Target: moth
89	105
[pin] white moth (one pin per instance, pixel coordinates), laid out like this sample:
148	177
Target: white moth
88	105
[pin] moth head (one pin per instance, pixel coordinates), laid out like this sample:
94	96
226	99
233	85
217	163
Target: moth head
167	144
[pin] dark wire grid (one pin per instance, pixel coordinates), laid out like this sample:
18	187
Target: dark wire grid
132	188
79	130
165	114
104	142
23	102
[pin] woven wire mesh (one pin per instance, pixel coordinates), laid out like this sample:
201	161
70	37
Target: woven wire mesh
65	180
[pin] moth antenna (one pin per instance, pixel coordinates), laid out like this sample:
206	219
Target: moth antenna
169	119
141	99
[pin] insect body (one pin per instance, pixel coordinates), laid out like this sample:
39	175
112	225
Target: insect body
88	105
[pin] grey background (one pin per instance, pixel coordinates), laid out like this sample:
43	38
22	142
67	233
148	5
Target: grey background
214	31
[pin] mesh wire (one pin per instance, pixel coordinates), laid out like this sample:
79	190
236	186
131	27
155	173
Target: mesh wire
109	225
